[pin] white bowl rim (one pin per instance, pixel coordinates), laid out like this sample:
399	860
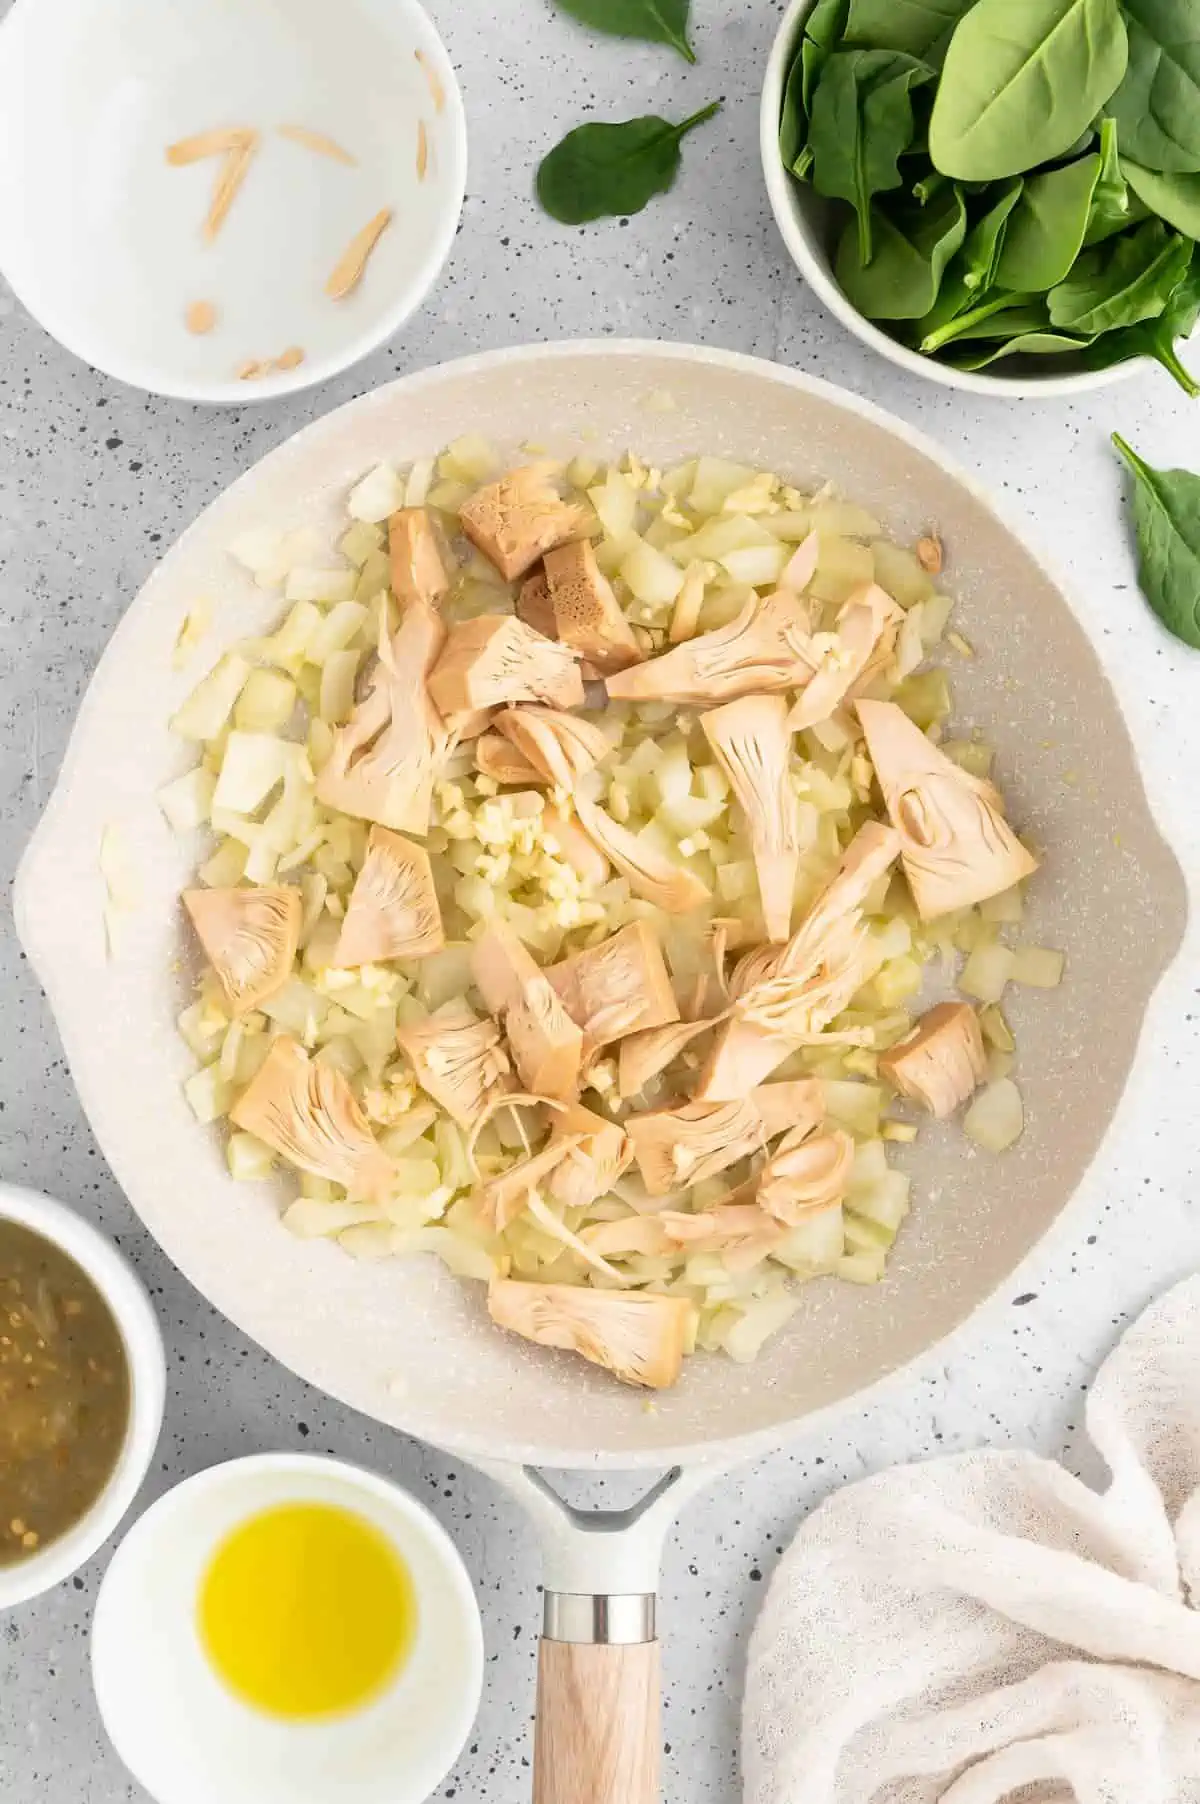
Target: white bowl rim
356	1477
778	183
310	374
131	1309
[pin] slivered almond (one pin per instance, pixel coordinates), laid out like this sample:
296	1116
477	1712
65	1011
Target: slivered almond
436	89
318	142
290	359
200	317
422	151
929	553
209	144
251	370
233	174
349	268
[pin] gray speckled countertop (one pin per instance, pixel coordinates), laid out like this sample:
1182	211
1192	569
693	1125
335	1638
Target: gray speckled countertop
96	480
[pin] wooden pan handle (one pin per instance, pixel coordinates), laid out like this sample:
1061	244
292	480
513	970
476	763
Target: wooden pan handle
597	1737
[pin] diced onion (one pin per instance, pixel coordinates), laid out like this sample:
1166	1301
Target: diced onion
320	585
652	577
209	1094
996	1117
188	800
756	1323
211	702
380	493
987	971
757	565
1038	967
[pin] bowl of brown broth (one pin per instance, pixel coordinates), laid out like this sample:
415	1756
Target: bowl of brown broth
82	1383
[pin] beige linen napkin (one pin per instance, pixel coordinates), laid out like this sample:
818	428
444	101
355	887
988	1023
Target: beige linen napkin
987	1627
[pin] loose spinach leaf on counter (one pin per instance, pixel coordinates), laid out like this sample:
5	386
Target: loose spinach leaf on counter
1166	515
918	27
910	256
1046	232
1122	282
1111	209
601	171
651	21
860	125
1156	337
1157	105
1175	198
1021	82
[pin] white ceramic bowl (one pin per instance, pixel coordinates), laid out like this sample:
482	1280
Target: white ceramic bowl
135	1318
803	219
189	1740
101	239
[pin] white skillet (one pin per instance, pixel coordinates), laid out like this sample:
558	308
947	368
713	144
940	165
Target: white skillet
403	1341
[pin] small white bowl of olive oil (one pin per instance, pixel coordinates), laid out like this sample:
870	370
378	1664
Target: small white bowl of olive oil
287	1630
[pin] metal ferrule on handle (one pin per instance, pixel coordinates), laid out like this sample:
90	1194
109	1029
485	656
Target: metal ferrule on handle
600	1619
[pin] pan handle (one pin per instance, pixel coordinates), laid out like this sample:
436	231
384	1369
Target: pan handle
598	1705
598	1735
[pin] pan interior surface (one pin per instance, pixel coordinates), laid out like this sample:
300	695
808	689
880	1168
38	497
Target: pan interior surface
404	1341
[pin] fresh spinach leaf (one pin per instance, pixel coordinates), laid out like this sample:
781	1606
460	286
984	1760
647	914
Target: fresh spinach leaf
1046	232
861	124
1175	198
911	253
793	120
652	21
1000	316
1110	211
1120	283
1156	338
1022	79
953	297
1025	344
929	185
822	33
600	171
1166	517
980	254
918	27
1157	105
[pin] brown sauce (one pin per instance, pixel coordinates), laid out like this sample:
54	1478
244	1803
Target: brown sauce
64	1393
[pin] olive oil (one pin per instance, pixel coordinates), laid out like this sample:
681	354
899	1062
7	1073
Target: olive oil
307	1610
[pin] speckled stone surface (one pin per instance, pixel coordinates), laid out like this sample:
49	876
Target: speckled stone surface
96	480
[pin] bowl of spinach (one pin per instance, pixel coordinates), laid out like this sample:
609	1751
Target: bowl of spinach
1001	194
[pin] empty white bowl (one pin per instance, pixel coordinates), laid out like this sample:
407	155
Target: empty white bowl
802	216
188	1739
101	238
140	1335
